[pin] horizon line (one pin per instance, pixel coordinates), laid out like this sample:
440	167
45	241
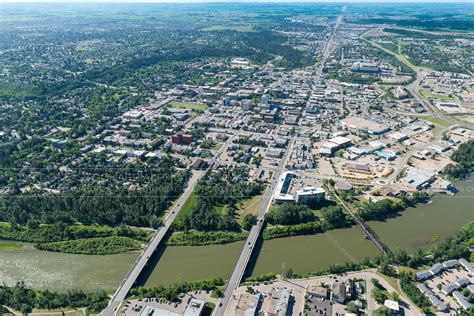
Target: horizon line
233	1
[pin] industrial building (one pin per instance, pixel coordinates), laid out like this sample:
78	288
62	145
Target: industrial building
367	67
363	125
418	179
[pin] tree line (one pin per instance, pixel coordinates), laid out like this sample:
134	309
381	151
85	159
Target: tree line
369	210
24	299
464	158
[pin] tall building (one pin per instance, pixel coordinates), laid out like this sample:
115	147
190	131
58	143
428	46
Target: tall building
226	101
185	139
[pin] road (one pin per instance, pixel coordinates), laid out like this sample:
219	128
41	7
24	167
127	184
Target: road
327	49
298	289
137	267
413	88
244	257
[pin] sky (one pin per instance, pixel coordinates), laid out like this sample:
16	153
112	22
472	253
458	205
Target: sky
204	1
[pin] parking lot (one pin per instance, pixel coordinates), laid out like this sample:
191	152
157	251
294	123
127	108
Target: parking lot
446	277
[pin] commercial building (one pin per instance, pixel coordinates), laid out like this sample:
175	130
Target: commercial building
155	311
276	303
366	67
363	125
248	304
358	168
310	195
338	292
340	142
273	153
283	187
194	308
182	139
397	136
269	116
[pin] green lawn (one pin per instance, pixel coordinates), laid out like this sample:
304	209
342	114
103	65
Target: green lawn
249	206
188	105
436	121
428	94
6	246
188	205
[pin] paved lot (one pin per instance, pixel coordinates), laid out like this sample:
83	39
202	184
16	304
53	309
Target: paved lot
298	291
135	307
448	276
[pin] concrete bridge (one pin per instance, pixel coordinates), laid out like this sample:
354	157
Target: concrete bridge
132	276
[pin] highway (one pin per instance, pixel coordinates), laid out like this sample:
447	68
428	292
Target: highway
142	260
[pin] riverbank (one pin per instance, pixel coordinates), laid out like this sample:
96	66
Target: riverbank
93	246
23	299
199	238
78	239
424	225
5	246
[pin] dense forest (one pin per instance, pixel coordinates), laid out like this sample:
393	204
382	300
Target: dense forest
292	220
95	204
464	158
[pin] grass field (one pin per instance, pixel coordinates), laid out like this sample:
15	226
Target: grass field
238	28
436	121
6	246
188	205
188	105
249	206
428	94
56	312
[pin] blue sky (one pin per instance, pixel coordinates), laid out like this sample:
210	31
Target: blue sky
203	1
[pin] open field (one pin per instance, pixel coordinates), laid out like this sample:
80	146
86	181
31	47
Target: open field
249	206
428	94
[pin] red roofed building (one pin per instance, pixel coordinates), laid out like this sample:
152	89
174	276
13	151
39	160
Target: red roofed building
182	139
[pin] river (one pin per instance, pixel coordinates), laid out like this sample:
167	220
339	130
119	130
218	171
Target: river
414	228
63	271
423	225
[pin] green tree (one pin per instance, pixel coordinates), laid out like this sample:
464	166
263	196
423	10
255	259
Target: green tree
351	307
248	221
